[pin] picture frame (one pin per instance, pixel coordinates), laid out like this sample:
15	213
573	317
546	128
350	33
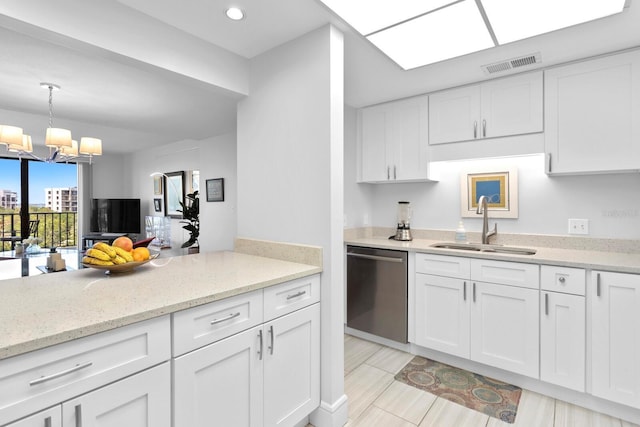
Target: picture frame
215	190
157	204
173	194
499	186
157	185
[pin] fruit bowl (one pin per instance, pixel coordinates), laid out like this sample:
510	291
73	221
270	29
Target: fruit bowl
121	268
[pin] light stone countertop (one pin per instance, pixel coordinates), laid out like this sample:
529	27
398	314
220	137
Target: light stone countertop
39	311
608	260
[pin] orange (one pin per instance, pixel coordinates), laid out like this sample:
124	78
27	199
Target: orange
140	254
123	242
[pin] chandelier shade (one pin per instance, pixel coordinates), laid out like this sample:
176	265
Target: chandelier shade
62	147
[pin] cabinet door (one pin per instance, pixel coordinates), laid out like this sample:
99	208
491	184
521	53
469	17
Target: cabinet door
615	337
291	367
221	384
512	106
142	400
410	139
442	314
48	418
592	115
504	327
454	115
562	340
375	133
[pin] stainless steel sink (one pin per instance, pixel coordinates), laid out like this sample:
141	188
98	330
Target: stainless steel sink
478	247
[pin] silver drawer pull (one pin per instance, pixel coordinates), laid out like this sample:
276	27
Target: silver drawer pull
59	374
296	295
224	319
78	415
561	279
47	422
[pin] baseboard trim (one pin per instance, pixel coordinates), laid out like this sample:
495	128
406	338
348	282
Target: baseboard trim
331	415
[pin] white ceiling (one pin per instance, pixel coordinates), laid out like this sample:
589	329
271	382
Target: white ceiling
134	106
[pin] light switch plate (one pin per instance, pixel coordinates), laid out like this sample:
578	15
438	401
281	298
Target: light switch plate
578	226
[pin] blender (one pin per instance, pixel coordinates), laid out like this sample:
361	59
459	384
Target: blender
403	232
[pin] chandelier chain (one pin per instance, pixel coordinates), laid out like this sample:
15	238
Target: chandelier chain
50	106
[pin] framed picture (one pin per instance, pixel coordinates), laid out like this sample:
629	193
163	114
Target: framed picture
157	204
157	185
215	190
174	194
499	187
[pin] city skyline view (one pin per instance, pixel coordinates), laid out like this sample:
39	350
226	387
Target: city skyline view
41	175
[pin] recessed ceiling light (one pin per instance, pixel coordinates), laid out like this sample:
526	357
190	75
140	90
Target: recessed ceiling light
234	13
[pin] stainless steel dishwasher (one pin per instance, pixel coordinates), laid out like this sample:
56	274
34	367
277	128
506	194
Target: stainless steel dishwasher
377	292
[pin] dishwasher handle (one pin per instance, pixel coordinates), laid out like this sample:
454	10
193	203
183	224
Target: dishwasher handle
375	257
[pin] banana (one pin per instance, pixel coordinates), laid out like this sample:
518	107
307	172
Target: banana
101	246
96	253
119	260
95	261
124	254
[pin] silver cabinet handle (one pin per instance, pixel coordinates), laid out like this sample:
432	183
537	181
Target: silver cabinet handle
464	291
474	291
224	319
546	304
548	163
47	422
78	415
484	128
60	374
475	129
561	279
394	172
296	295
260	346
597	284
374	257
271	334
388	173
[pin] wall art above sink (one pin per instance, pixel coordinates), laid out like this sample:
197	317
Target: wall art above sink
500	187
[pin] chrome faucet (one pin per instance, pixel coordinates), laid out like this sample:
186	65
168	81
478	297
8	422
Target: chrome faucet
482	209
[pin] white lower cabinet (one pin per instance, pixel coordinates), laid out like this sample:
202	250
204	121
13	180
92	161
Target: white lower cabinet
142	400
491	323
563	327
266	376
615	337
504	327
48	418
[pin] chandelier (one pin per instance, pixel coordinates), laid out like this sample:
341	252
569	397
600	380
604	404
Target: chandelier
62	148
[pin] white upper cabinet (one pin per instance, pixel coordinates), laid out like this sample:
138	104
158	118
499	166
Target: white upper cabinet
502	107
393	139
592	115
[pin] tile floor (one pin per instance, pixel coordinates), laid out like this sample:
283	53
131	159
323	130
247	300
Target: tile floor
377	400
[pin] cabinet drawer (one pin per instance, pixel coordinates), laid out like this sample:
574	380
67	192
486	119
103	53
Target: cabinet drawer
45	377
563	279
506	273
443	265
199	326
291	296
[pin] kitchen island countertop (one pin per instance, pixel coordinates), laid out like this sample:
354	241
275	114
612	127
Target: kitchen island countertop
40	311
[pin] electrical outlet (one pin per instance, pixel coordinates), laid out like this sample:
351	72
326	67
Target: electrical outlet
578	226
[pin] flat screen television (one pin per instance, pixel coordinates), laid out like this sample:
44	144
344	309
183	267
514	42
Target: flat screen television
115	216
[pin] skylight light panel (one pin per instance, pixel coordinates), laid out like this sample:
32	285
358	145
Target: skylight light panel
446	33
368	16
516	20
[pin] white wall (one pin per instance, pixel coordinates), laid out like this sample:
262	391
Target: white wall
610	202
215	157
290	174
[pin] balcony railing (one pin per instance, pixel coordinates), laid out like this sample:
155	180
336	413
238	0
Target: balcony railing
55	229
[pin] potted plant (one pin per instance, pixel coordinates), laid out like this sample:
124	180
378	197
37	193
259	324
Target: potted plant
191	219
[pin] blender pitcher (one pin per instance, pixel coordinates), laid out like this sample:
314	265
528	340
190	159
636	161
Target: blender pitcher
403	231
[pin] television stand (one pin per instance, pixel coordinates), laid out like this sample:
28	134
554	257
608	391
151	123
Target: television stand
88	240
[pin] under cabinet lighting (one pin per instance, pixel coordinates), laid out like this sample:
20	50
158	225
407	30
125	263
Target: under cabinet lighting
517	20
432	37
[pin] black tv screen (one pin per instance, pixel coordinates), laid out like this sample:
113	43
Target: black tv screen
115	216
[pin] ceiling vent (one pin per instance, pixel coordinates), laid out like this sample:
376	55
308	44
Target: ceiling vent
510	64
